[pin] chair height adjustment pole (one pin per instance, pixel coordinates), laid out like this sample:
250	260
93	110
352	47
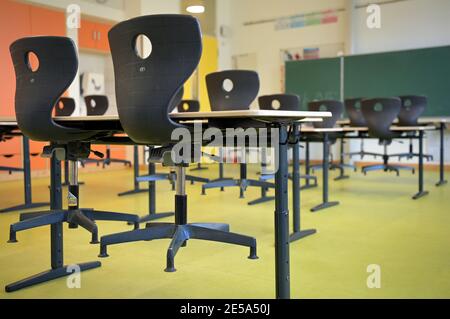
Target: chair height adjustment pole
180	196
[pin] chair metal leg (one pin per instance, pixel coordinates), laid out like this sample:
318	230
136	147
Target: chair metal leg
210	234
48	219
217	226
77	217
180	236
219	183
111	216
151	232
196	179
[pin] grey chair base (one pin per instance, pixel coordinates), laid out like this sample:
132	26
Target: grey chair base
333	166
409	156
80	217
241	183
420	195
362	154
50	275
109	161
387	168
179	235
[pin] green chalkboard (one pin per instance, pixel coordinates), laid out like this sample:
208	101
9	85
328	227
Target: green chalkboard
314	79
417	72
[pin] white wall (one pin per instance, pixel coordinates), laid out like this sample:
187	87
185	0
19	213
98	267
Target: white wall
404	25
267	42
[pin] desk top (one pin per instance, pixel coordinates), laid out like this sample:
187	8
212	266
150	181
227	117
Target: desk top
349	129
422	120
262	115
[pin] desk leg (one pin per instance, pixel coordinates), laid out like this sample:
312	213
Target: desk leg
28	202
307	168
152	215
341	162
325	167
421	192
297	233
136	188
282	267
442	180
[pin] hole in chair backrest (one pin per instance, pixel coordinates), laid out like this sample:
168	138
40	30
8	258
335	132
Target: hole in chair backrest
32	61
378	107
276	104
407	104
185	106
93	103
142	46
323	108
227	85
358	105
60	105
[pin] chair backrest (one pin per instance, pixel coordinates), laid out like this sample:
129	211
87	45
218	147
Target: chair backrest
335	107
146	88
96	104
38	91
188	106
380	113
353	108
412	108
282	102
232	89
65	106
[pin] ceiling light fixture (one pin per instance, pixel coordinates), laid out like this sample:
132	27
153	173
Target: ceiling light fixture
195	9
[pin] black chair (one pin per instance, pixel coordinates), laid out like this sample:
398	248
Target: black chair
145	90
233	90
413	107
337	109
65	106
97	105
281	102
353	109
37	92
380	113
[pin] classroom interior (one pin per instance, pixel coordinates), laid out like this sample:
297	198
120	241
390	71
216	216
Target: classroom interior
353	202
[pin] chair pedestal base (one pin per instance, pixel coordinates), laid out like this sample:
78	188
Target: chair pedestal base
179	235
155	216
241	183
324	206
82	217
301	234
387	168
49	275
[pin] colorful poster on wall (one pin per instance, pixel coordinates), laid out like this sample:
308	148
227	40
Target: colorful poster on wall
308	19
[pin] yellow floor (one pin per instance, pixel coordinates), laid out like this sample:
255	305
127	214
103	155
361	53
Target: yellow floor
376	223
